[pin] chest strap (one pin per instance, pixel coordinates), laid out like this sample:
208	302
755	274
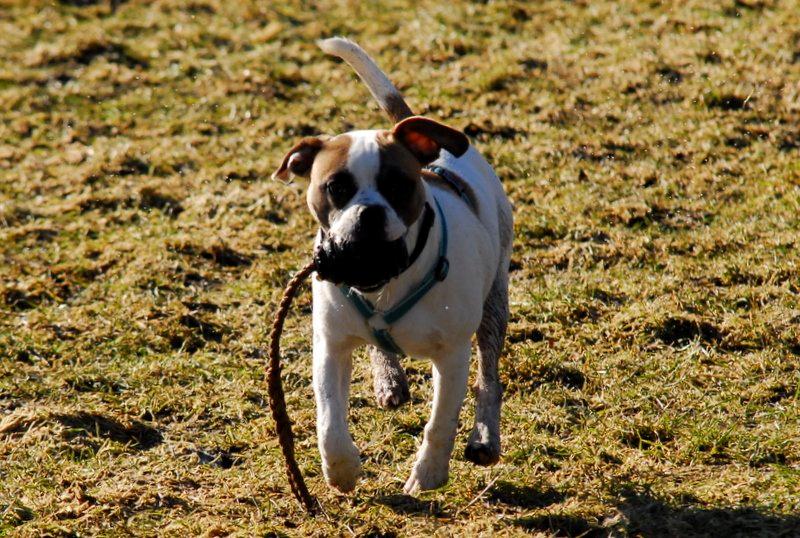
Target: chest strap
380	322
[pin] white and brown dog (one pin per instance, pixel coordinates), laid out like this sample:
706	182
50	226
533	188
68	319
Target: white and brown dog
412	258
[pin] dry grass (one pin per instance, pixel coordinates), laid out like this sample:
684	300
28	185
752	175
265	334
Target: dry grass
651	151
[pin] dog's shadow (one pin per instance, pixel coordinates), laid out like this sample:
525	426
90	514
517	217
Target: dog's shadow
508	493
644	514
635	513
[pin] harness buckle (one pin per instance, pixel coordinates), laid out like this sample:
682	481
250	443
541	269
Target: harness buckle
442	268
376	322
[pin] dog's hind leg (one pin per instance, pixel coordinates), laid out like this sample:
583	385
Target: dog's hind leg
388	379
483	447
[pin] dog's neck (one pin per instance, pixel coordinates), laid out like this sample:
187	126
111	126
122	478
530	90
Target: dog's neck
401	285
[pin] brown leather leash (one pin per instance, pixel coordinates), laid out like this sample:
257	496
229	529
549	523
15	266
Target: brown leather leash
277	401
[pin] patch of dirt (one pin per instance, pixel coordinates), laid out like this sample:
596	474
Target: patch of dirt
189	332
530	375
104	203
642	436
633	214
224	458
151	198
218	253
489	129
85	424
534	64
562	525
131	432
524	333
670	75
523	496
679	331
727	101
84	53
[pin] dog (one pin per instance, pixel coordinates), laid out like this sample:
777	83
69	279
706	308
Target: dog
412	256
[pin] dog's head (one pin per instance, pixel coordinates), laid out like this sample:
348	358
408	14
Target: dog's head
366	192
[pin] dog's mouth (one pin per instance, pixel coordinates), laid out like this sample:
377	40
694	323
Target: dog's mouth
364	265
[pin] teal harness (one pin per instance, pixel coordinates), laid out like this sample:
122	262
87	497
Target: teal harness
380	322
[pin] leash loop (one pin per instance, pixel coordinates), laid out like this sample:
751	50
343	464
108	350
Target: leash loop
277	400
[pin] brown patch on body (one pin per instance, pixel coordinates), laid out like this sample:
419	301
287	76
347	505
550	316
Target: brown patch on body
461	188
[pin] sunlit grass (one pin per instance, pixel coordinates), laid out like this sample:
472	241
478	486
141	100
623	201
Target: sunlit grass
651	153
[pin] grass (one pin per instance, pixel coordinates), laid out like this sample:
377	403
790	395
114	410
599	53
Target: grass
652	372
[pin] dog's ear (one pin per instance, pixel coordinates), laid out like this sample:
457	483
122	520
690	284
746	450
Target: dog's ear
299	159
425	138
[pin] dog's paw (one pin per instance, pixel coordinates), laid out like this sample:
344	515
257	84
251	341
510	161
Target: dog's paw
426	476
482	452
391	391
342	471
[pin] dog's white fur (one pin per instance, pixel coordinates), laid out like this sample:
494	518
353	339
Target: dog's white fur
439	327
376	80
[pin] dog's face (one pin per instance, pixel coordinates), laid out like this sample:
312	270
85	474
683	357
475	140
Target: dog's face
365	191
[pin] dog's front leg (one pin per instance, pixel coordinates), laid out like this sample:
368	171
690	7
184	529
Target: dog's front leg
432	465
340	458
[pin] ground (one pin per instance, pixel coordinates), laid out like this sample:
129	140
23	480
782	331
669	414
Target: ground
652	372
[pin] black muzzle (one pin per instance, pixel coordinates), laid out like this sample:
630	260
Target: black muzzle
365	265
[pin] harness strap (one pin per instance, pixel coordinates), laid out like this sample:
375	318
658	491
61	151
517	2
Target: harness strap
380	322
453	181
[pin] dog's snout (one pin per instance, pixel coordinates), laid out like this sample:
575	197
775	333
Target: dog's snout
371	223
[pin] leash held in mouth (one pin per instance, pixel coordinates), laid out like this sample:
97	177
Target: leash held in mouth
277	400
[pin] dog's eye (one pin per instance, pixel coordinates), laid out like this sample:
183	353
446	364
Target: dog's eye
395	188
340	188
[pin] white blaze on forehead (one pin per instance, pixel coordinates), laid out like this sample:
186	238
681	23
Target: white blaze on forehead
363	163
363	159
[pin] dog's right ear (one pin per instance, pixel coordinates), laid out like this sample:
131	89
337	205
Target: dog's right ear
299	159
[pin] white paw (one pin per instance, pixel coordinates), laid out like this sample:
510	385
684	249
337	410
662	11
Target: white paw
342	471
427	474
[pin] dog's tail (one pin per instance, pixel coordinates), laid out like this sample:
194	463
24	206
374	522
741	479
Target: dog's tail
389	98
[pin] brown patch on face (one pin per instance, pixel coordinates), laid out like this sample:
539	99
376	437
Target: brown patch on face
330	159
399	179
299	159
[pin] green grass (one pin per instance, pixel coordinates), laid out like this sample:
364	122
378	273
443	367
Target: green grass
653	368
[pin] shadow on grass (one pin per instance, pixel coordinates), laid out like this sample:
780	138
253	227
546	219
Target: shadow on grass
406	504
563	525
649	516
523	496
642	514
136	434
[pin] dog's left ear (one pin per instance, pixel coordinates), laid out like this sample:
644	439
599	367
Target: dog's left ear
299	159
425	138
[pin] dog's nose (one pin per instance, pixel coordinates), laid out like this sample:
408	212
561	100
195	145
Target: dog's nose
371	223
